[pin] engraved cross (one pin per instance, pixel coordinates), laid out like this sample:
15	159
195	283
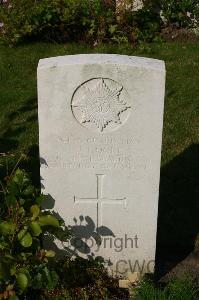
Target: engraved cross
99	200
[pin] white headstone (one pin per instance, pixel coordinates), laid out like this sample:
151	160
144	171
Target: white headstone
100	131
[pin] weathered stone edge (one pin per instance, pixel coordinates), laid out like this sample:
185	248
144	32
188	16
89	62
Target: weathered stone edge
136	61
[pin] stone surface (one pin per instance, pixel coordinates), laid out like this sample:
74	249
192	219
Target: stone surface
100	131
134	277
124	284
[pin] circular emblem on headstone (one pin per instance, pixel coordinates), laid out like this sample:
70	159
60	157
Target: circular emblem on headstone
100	104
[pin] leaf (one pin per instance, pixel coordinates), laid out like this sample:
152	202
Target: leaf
13	298
10	200
13	270
13	188
22	281
60	233
25	238
9	287
18	183
48	220
104	231
7	259
4	271
35	211
50	278
99	259
26	272
37	281
8	256
21	211
7	228
4	245
35	228
20	178
112	29
22	201
28	191
24	256
39	200
21	234
50	253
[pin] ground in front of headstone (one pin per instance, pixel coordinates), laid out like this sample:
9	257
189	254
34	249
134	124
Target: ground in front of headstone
188	267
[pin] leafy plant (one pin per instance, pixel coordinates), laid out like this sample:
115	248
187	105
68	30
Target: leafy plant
181	13
93	21
88	279
59	20
24	264
67	20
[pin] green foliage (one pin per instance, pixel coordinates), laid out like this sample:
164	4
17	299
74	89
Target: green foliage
175	290
88	279
27	270
180	13
146	22
59	20
67	20
93	21
24	264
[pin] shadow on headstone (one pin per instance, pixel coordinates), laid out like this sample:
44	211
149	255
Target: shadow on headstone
49	202
86	238
86	231
178	220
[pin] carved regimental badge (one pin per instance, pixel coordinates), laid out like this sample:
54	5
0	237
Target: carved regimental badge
100	105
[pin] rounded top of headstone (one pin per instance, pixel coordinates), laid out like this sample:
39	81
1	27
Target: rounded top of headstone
136	61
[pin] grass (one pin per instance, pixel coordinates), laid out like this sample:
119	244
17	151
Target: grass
178	223
18	95
175	290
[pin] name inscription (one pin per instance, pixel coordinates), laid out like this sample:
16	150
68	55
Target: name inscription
89	153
